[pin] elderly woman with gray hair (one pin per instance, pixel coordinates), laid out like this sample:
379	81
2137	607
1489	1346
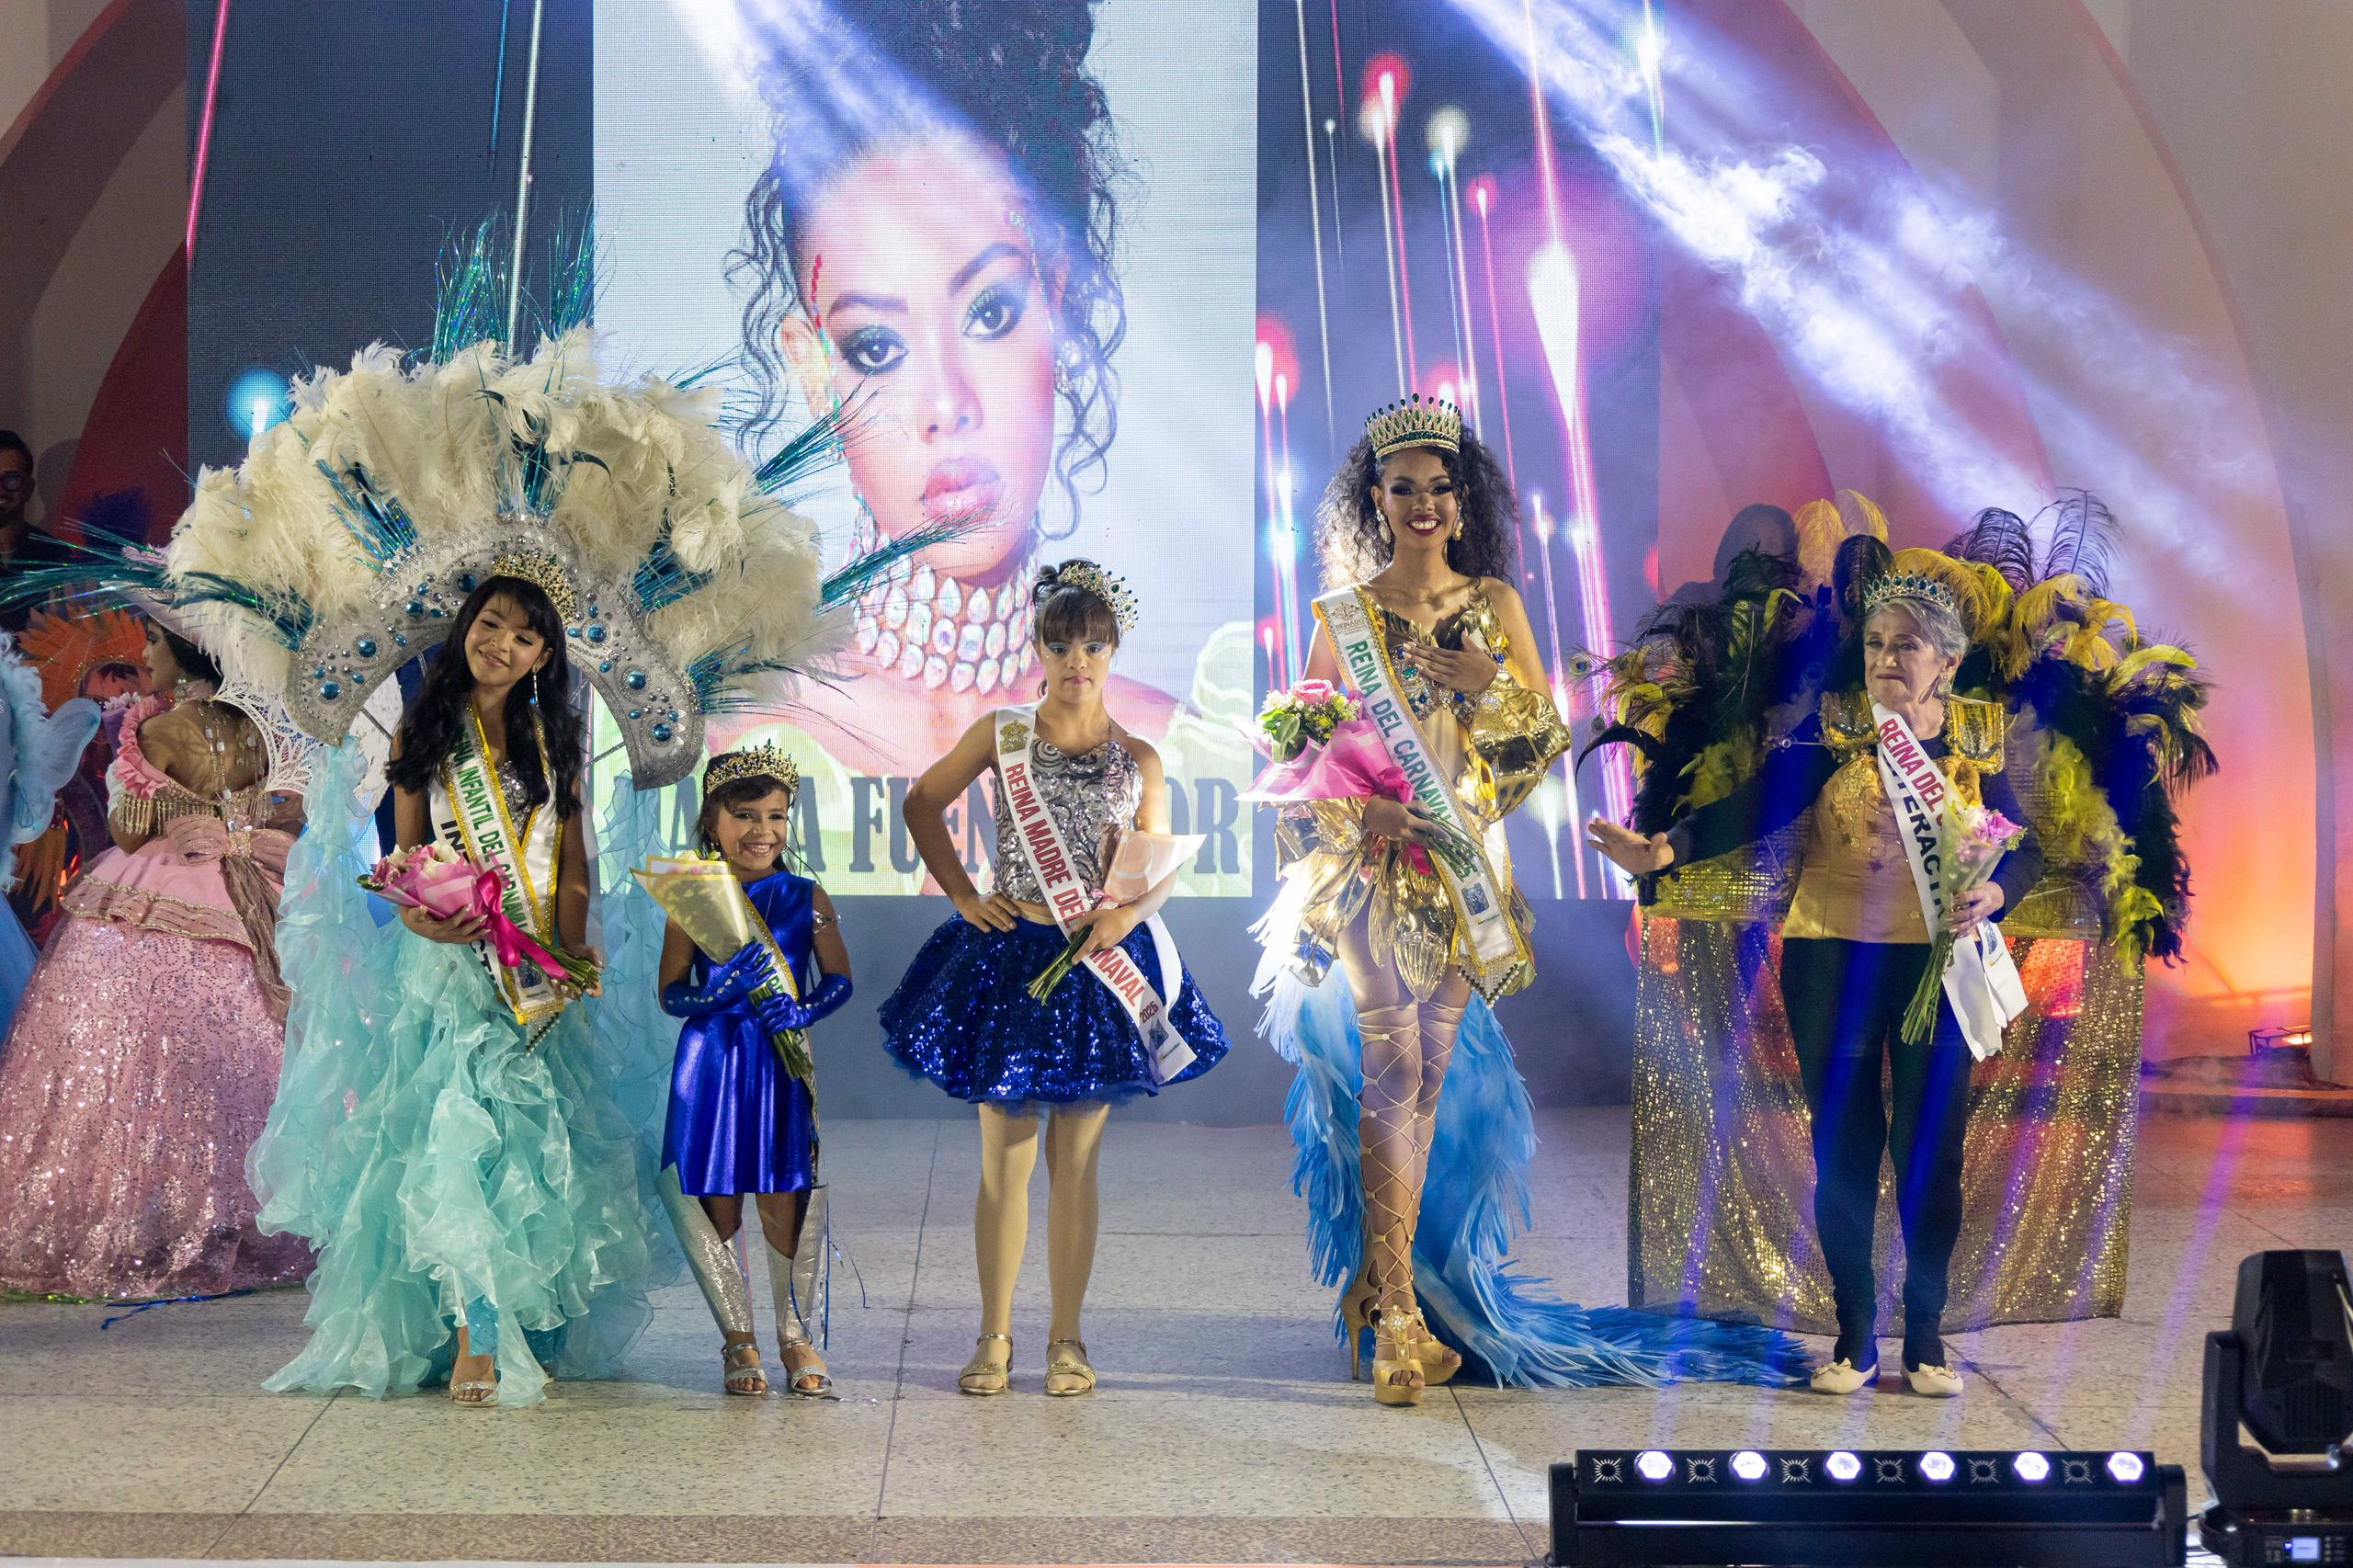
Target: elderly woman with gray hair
1856	943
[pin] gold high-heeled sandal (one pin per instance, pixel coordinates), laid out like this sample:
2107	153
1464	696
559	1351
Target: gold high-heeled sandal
475	1393
986	1374
812	1372
1067	1372
738	1376
1396	1373
1438	1359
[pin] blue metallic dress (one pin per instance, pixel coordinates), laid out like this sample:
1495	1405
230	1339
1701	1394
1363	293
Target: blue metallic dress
738	1122
963	1016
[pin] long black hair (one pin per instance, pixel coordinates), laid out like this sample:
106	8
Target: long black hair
1349	544
435	724
1010	75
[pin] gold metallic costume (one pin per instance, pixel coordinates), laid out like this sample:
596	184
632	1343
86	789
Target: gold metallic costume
1495	747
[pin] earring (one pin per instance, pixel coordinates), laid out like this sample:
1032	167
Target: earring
1063	378
181	687
1457	527
535	688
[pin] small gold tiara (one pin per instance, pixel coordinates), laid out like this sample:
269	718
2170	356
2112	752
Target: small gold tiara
1112	590
1907	586
1416	422
543	571
764	761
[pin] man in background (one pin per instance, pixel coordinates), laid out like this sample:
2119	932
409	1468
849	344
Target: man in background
22	546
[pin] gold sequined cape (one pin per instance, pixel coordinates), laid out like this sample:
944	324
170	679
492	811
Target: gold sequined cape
1494	748
1719	1212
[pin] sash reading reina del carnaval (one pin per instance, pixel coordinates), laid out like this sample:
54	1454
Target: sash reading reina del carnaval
1463	912
1068	898
1482	909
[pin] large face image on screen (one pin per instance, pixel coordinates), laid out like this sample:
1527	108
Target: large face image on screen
1012	254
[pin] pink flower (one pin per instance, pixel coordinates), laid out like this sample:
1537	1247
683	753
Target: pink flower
1312	693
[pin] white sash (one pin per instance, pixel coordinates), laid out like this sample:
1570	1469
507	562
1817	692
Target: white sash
470	816
1981	979
1040	838
1481	907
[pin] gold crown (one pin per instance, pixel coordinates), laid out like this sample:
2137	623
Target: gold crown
543	571
1907	586
1416	422
766	760
1112	590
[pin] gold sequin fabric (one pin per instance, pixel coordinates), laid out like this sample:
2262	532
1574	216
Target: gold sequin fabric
1495	746
139	1072
1721	1190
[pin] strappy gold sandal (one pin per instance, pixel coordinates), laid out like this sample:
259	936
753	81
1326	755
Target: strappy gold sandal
1396	1374
1067	1372
985	1374
475	1393
742	1377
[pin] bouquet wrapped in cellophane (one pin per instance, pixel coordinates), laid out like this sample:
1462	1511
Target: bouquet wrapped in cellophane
1141	863
1319	747
708	901
1974	839
445	884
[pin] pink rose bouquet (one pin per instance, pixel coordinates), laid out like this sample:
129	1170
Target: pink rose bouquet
1975	840
1321	750
446	884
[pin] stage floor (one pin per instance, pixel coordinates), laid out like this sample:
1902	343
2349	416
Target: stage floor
1225	1430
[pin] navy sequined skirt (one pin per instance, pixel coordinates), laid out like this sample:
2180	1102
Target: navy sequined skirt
963	1017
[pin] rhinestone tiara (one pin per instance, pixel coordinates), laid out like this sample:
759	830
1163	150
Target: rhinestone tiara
766	760
1416	422
1907	586
543	571
1111	589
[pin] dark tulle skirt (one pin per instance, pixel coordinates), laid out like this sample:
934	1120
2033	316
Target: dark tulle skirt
963	1018
738	1122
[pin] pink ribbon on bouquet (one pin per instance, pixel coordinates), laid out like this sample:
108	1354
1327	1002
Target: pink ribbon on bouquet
1353	762
444	889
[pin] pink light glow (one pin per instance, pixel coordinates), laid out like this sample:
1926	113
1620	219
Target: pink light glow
204	124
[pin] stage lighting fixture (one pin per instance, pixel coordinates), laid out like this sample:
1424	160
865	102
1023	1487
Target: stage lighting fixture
2277	1433
1841	1508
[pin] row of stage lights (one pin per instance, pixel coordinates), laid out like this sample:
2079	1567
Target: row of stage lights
1845	1468
1960	1509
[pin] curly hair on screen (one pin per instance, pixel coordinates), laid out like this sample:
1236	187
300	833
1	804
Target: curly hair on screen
840	77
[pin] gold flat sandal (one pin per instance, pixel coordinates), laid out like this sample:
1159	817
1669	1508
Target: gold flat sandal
984	1373
1067	1372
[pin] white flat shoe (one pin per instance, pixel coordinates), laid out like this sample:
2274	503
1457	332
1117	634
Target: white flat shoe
1933	1382
1842	1377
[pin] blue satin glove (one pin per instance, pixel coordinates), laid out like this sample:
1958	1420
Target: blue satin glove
778	1014
727	984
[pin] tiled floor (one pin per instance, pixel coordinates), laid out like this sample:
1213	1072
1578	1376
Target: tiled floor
1223	1431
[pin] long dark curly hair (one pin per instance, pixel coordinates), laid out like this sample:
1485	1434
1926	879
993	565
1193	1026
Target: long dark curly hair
434	726
1351	547
842	75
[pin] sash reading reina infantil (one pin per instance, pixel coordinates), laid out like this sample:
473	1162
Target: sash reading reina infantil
480	828
1981	980
1482	910
1042	844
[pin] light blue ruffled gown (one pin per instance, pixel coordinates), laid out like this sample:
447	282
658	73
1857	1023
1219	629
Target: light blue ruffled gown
443	1172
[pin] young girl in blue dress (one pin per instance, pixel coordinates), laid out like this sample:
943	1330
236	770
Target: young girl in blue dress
444	1131
738	1122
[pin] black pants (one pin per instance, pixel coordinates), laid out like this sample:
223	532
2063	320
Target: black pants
1846	1003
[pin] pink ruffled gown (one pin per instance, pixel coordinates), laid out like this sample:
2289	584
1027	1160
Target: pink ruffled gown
144	1057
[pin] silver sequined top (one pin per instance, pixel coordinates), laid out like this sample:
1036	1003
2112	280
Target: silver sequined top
1093	798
